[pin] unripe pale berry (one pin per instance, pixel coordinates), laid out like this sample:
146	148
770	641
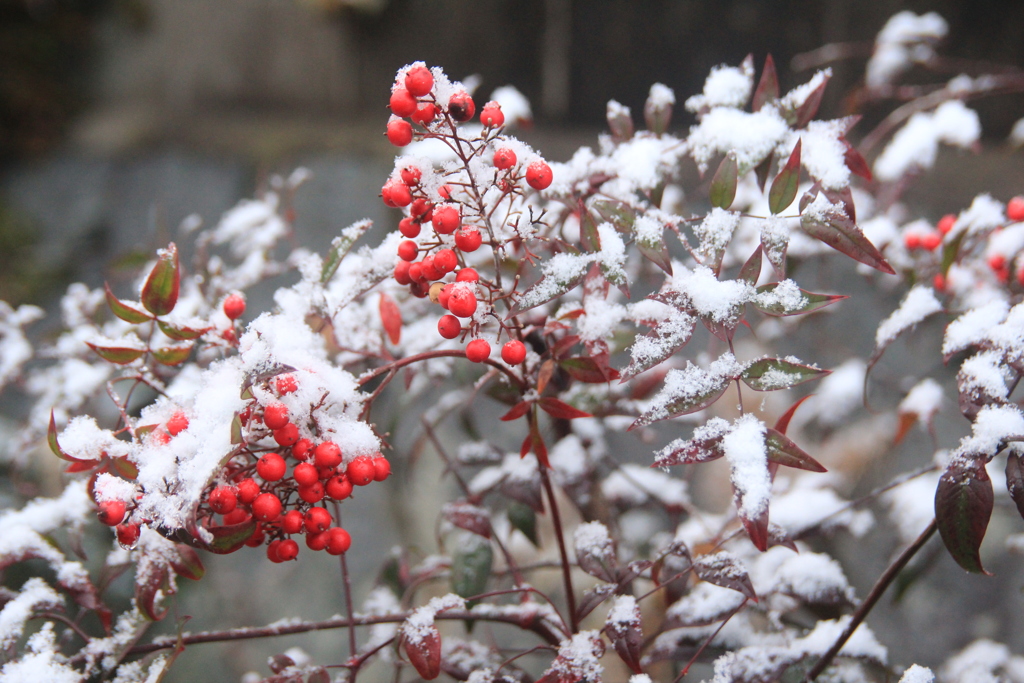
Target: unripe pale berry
446	219
313	493
491	115
381	468
538	175
462	301
513	352
223	499
419	81
461	107
275	415
1015	209
467	275
266	507
399	132
317	519
468	239
360	471
327	454
407	250
247	490
338	541
338	487
402	102
234	306
478	350
127	534
111	512
177	423
292	522
305	474
505	158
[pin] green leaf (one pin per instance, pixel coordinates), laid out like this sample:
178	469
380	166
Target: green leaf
590	241
770	374
723	185
124	467
124	310
963	507
172	355
780	307
160	292
117	354
340	246
188	565
471	566
180	332
229	538
837	229
782	451
618	213
768	87
523	517
783	190
236	429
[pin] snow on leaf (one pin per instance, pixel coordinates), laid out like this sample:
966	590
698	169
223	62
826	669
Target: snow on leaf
832	224
917	674
35	595
559	275
725	86
963	507
690	389
713	299
770	374
786	298
747	453
715	232
726	570
705	445
915	146
667	337
751	136
918	304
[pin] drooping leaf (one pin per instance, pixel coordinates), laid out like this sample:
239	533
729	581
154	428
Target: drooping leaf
1015	481
782	424
121	355
723	569
424	653
767	90
535	442
783	190
180	332
172	355
856	162
691	452
751	270
160	292
563	273
146	591
51	440
236	429
517	411
836	229
723	185
340	246
963	507
591	599
559	409
471	568
188	565
391	318
770	374
757	528
124	467
665	339
782	451
782	306
523	517
590	241
467	516
588	370
124	310
618	213
626	635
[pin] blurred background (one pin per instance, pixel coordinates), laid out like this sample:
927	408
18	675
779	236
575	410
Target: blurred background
120	118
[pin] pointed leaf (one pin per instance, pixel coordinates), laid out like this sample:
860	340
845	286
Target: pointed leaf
123	309
783	190
120	355
963	507
124	467
51	440
656	252
783	422
160	292
173	355
751	270
424	652
806	111
618	213
691	452
188	564
391	318
590	241
534	442
230	537
471	567
180	332
856	162
664	340
340	246
469	517
518	410
770	374
837	230
592	598
768	87
1015	481
148	588
723	569
694	396
723	185
236	429
781	306
588	370
558	409
782	451
762	170
757	529
550	286
523	517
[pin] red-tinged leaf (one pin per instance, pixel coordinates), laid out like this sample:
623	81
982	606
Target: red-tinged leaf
806	111
543	291
588	370
723	569
564	345
783	190
783	422
627	637
723	185
391	318
228	538
592	598
124	310
762	170
525	491
771	374
702	391
518	410
172	355
782	451
768	87
782	306
778	536
124	467
590	241
51	440
618	213
160	292
905	422
751	270
1015	481
188	565
469	517
422	646
963	507
561	410
691	452
856	162
664	340
180	332
757	529
153	583
117	354
656	251
534	442
81	466
838	230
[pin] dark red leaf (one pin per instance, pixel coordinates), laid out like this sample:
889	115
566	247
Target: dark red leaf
180	332
518	410
160	292
391	317
757	529
751	270
722	569
588	370
559	409
424	650
229	538
836	229
782	451
856	162
783	422
963	507
534	442
806	111
188	565
1015	481
768	87
469	517
692	451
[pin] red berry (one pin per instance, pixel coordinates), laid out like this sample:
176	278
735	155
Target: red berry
400	193
325	473
247	490
445	294
421	210
381	468
287	435
272	551
446	219
292	522
1020	276
286	384
234	306
461	107
462	301
912	241
946	223
305	474
236	516
317	541
313	493
468	239
112	512
360	471
478	350
445	192
402	102
416	272
408	250
538	175
424	113
1015	209
445	260
327	454
302	449
275	415
257	538
402	273
338	541
997	262
939	282
429	269
467	275
317	520
266	507
408	227
504	158
160	437
223	499
287	551
399	132
491	115
127	534
338	487
419	290
271	467
513	352
419	81
177	423
411	176
449	327
930	241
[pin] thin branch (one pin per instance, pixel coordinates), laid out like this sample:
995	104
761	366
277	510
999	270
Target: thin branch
429	355
707	641
570	595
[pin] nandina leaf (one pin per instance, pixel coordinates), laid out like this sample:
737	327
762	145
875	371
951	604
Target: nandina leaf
783	190
188	564
811	302
523	517
692	451
180	332
236	429
768	87
469	517
1015	481
627	639
751	270
666	338
471	568
391	317
783	422
340	246
782	451
517	411
723	185
535	442
690	402
563	411
806	111
550	292
229	538
757	529
160	292
123	309
424	652
856	162
770	374
591	599
51	440
723	569
762	169
120	355
655	251
838	230
146	591
618	213
963	507
590	241
81	466
124	467
588	370
172	355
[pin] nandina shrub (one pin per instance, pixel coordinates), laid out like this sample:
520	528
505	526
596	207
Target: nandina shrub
595	300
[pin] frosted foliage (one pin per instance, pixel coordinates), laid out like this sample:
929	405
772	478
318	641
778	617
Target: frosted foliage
34	595
973	326
823	154
669	333
745	450
904	40
919	303
710	297
813	577
715	231
15	349
916	144
624	612
924	400
592	539
558	273
991	427
786	295
750	136
917	674
42	662
977	663
689	384
984	373
661	95
705	603
420	623
726	86
797	97
83	439
579	657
